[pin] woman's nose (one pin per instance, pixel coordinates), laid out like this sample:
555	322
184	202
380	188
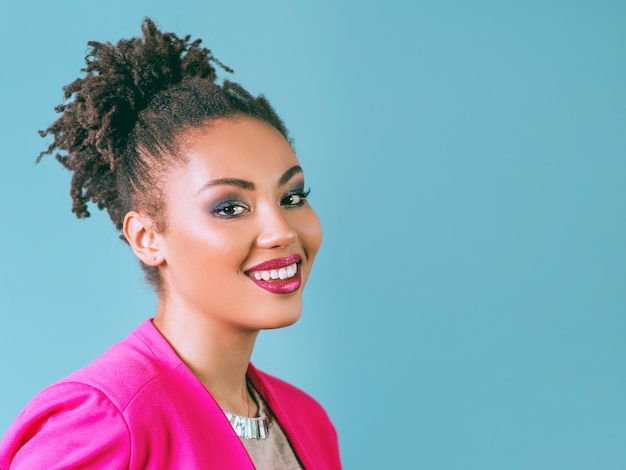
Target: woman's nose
275	229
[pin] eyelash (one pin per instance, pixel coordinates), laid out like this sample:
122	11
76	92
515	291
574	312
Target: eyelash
219	209
300	194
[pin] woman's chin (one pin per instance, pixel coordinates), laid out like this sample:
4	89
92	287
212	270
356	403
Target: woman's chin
278	320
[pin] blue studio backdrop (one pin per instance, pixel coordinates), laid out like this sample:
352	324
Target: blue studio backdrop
467	160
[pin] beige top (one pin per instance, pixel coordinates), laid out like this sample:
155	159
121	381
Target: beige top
274	452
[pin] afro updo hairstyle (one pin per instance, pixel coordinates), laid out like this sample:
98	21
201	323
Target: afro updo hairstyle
120	122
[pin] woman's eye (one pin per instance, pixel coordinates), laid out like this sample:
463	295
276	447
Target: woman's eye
295	199
228	211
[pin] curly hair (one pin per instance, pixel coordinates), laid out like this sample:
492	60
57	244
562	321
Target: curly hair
120	123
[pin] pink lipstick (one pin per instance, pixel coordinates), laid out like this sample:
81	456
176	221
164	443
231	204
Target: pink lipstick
278	276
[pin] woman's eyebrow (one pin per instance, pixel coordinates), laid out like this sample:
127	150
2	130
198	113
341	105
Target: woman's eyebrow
243	184
294	170
249	185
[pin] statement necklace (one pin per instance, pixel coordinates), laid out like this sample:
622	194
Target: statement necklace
250	428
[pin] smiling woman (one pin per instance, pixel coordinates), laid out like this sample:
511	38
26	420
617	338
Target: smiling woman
204	185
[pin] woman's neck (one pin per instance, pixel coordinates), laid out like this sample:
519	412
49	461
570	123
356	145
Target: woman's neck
218	354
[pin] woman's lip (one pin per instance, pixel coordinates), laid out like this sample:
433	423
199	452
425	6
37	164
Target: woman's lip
278	286
276	263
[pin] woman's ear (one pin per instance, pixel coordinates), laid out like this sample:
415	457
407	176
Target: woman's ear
143	238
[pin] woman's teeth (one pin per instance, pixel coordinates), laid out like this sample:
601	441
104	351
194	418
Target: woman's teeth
273	274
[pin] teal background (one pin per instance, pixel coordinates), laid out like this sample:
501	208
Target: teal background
467	161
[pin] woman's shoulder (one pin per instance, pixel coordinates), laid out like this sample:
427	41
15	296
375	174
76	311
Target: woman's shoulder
67	423
303	419
113	379
84	413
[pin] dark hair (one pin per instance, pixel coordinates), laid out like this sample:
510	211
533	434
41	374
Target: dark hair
120	123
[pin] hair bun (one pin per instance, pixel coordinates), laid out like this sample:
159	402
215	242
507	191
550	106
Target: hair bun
102	107
122	79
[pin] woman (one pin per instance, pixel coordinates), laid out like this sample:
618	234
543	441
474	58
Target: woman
202	182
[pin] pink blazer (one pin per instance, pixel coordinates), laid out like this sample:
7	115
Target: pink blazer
138	406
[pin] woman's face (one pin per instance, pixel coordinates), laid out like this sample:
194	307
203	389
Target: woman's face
240	237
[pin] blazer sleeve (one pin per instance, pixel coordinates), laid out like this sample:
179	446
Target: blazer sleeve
67	426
